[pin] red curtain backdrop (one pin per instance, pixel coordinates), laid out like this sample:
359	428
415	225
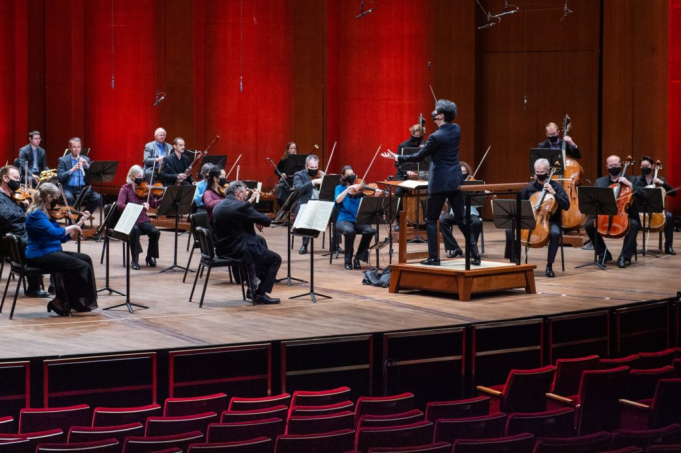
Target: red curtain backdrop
674	115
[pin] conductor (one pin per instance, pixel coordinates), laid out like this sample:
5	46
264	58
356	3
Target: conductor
444	176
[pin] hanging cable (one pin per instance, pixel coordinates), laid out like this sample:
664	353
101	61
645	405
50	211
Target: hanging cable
113	55
241	47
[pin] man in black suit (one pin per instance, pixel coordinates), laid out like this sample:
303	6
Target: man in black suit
175	165
307	183
645	180
71	174
553	141
444	176
234	222
33	156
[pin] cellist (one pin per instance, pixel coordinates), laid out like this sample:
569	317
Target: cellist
647	179
540	182
553	141
614	166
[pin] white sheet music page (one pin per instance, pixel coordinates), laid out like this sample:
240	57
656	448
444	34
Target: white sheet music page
128	218
314	215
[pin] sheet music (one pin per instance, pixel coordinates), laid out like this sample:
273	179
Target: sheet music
128	218
314	215
413	184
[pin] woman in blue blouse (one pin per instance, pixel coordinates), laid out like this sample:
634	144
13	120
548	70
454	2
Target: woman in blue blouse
43	250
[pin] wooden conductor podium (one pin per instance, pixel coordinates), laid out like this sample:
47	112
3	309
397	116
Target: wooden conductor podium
455	276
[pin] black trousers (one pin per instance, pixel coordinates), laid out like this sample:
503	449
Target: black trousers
554	243
629	246
668	229
146	229
265	266
78	273
350	230
446	223
90	202
435	203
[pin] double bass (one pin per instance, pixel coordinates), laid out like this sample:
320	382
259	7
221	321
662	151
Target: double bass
544	205
617	226
571	219
655	222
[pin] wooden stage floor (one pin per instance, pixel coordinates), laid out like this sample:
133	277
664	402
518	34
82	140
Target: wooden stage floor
172	322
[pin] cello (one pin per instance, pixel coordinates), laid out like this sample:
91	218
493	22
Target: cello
655	222
617	226
544	205
571	219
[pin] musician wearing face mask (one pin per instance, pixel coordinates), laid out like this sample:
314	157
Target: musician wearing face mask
283	190
71	173
614	165
646	179
415	141
201	186
541	182
307	182
215	193
553	141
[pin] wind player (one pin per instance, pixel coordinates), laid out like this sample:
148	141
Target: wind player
541	174
444	176
175	165
348	196
553	141
308	187
646	179
614	165
71	174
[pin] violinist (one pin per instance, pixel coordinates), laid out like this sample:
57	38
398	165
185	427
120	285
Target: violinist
44	251
13	220
348	195
307	182
143	224
540	182
215	193
283	192
33	157
71	174
155	151
447	221
415	140
614	166
646	179
175	165
553	141
201	186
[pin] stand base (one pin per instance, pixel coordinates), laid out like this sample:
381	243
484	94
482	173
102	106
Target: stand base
288	281
312	295
129	305
111	290
175	266
593	263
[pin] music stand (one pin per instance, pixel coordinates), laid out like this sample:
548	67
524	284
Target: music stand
177	201
552	155
104	227
650	202
421	166
375	210
220	160
98	173
596	201
285	212
295	163
327	192
515	215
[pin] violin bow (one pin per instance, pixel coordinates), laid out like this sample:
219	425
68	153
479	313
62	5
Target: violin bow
233	165
433	92
151	181
481	161
326	170
370	164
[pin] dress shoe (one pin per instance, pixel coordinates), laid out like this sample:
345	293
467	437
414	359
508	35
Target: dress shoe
249	294
669	250
608	258
37	293
303	250
51	306
355	264
549	271
476	259
135	265
265	299
623	262
151	261
339	249
348	263
82	309
431	262
457	252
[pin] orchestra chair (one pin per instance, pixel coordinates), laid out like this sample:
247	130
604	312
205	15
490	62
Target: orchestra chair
322	410
320	398
520	443
92	434
34	439
560	247
18	445
377	421
485	427
649	360
21	270
34	420
334	442
642	383
257	445
569	374
156	444
174	407
663	410
165	426
419	433
99	446
383	405
668	435
596	405
439	447
472	407
631	361
232	432
592	443
676	363
258	414
116	416
198	219
664	449
249	404
556	423
210	261
7	424
524	391
315	424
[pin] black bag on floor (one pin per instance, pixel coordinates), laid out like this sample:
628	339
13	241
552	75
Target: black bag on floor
377	277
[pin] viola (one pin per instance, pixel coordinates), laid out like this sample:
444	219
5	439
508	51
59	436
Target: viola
572	218
655	222
544	205
617	226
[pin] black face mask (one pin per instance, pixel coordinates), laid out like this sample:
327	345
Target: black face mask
14	185
312	172
435	116
553	139
350	179
222	182
615	171
415	140
541	178
646	171
138	181
53	203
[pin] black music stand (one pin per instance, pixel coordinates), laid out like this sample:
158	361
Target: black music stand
295	163
650	202
104	227
515	215
99	172
597	201
285	213
327	192
377	211
177	201
552	155
220	160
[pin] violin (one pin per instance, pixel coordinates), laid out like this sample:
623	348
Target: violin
617	226
23	193
572	218
60	212
544	205
157	189
368	190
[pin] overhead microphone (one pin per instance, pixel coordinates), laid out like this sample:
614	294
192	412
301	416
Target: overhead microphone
365	13
159	98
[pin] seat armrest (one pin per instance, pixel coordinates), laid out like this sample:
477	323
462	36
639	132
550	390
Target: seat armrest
489	391
561	400
634	405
